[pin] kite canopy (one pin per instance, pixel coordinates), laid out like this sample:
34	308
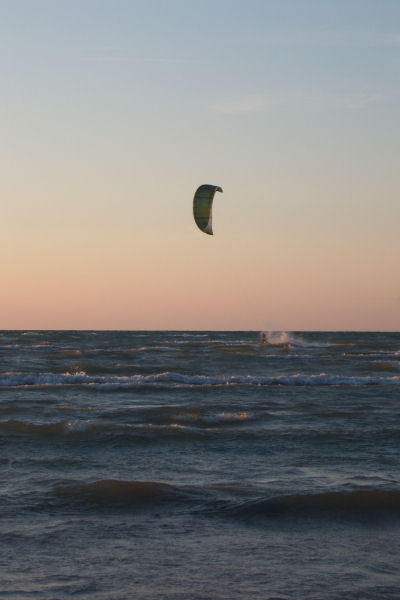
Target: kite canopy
202	207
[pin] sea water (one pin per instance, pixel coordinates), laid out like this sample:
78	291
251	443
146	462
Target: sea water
199	465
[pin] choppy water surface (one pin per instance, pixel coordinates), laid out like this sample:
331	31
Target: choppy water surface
197	465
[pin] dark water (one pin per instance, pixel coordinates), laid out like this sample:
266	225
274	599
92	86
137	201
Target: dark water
170	465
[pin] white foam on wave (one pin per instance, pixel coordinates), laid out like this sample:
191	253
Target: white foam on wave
165	427
193	335
178	380
228	417
10	346
155	348
45	345
77	425
285	338
42	379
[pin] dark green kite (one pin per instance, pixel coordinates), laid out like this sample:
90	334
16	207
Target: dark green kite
202	207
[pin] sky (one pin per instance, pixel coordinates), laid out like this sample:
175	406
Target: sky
113	112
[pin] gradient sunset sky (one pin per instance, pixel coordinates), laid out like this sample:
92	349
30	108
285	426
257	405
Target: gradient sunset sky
113	112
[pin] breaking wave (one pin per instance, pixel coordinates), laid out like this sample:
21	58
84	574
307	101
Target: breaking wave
178	380
285	338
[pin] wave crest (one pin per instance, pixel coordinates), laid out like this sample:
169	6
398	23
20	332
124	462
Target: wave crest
117	492
177	380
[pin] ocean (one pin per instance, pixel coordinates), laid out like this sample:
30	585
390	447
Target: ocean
199	465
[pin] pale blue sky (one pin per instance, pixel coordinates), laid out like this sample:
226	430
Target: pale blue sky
112	112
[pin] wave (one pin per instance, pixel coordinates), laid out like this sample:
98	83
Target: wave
354	504
57	429
116	492
12	409
161	430
387	366
169	424
198	417
178	380
231	501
